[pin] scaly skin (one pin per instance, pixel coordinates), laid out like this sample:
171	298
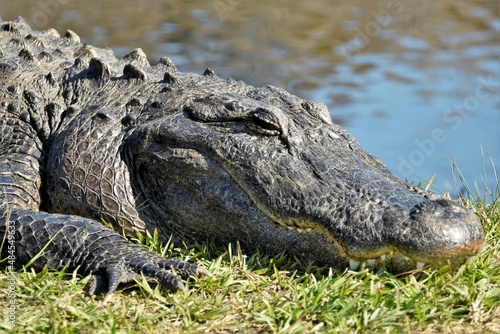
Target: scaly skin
89	137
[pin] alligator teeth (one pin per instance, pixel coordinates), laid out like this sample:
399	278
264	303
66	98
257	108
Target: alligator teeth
298	229
371	263
353	264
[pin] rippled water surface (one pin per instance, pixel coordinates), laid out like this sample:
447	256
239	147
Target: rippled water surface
416	82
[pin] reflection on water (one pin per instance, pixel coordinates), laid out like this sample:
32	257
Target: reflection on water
417	82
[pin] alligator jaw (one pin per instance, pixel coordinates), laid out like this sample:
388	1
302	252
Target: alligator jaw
453	235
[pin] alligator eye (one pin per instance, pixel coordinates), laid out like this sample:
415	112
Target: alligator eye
263	123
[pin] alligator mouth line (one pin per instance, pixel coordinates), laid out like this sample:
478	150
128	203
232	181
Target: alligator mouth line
354	263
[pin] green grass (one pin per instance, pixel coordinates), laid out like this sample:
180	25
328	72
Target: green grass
253	293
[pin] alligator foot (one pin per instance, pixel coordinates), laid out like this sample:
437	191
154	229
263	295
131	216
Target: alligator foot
142	262
73	242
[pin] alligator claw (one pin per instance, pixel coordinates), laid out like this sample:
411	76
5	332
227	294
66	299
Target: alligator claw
97	285
183	269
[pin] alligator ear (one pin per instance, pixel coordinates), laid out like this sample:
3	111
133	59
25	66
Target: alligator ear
213	108
317	109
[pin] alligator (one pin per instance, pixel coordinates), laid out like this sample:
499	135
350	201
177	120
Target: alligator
91	142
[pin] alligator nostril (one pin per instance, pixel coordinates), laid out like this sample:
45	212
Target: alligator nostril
421	208
442	208
445	203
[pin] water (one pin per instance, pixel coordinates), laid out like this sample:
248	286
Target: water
416	82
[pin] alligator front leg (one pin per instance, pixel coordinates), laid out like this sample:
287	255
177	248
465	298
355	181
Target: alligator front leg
67	240
80	243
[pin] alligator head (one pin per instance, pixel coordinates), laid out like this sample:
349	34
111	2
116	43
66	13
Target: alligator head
223	160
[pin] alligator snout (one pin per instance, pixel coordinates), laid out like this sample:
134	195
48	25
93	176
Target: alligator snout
440	231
